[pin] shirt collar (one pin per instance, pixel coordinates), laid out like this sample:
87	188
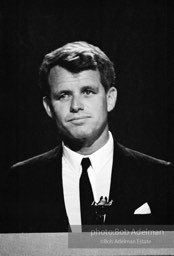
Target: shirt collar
73	158
103	153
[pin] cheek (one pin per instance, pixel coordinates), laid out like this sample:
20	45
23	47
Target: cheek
100	108
59	112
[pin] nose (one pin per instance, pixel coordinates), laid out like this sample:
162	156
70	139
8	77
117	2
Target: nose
76	104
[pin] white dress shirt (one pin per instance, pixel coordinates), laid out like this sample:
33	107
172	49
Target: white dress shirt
99	175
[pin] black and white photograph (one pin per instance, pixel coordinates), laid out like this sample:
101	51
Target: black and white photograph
87	115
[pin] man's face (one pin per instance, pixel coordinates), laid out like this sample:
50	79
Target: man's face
79	104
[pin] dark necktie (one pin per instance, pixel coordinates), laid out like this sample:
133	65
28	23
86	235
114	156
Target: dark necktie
86	194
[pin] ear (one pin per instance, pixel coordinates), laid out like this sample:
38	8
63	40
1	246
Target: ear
48	107
111	98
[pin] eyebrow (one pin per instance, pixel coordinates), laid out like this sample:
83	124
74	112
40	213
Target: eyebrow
92	87
58	93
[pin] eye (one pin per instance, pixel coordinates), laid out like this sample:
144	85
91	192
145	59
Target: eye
88	92
64	96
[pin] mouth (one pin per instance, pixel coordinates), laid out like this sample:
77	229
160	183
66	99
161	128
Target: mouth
78	120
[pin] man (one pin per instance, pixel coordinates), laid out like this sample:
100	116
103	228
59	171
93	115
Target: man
69	185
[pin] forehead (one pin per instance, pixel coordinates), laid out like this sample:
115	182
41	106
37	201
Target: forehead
61	77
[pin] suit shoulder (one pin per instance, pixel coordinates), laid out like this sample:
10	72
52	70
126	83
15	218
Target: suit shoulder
39	159
143	157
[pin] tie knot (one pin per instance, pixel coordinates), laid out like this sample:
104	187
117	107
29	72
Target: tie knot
85	163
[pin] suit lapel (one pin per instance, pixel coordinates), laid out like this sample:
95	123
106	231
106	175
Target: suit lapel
125	186
55	193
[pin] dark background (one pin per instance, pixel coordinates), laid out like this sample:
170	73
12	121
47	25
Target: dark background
134	34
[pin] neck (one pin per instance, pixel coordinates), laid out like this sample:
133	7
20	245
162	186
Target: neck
87	147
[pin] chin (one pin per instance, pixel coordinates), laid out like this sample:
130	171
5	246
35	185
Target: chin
77	138
80	136
79	133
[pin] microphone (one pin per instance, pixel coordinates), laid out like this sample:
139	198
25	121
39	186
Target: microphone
101	209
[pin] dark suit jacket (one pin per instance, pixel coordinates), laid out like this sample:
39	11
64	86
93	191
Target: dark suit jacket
34	196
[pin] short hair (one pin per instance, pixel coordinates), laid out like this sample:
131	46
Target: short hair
76	57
